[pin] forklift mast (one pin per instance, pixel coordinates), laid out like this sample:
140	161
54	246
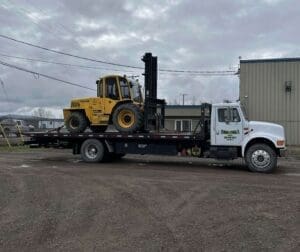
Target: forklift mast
154	109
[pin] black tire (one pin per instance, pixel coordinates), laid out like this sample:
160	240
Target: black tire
76	122
92	151
98	129
261	158
128	118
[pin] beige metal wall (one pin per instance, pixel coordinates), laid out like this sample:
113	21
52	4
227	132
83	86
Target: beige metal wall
263	92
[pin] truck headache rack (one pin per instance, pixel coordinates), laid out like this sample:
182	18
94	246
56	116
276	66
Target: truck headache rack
154	109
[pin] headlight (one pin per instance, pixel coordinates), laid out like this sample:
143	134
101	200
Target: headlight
280	142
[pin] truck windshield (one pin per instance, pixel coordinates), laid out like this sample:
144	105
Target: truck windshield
243	108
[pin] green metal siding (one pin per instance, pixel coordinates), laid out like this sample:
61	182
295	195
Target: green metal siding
267	99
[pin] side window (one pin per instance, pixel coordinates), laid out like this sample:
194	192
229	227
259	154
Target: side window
183	125
223	114
100	88
178	125
228	115
186	125
124	88
112	88
235	115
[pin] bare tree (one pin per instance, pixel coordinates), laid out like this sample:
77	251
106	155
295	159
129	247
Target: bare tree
42	112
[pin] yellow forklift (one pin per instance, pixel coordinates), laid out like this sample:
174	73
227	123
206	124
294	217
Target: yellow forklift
119	102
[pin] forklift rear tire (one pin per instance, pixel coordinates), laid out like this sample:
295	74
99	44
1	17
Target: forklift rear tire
76	122
128	118
92	151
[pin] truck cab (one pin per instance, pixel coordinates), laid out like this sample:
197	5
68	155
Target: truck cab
232	135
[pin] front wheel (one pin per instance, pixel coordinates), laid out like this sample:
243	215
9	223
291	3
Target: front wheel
261	158
128	118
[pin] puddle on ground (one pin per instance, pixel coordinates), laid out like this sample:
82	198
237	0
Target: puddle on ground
292	174
22	166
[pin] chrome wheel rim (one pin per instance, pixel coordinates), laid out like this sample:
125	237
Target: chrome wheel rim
261	158
91	151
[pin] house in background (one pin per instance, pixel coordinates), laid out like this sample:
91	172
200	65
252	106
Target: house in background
37	122
50	123
30	120
182	118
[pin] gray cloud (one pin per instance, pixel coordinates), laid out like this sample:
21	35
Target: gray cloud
195	35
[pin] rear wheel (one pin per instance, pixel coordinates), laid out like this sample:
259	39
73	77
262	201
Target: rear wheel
76	122
261	158
92	151
128	118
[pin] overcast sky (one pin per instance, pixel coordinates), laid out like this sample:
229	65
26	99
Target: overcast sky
184	34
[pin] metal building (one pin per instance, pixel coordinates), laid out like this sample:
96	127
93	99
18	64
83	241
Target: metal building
270	91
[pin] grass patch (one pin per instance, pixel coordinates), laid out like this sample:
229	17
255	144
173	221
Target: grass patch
16	148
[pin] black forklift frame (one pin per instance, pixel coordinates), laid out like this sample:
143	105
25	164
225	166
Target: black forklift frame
153	120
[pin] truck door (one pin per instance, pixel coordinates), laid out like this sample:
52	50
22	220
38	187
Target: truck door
229	126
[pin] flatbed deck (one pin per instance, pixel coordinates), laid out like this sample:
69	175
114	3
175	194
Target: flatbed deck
37	136
115	142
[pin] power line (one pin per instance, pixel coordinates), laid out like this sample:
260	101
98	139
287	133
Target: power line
49	27
24	12
229	72
203	73
46	13
69	54
44	75
198	72
212	73
64	64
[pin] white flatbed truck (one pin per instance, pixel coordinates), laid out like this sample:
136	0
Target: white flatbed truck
223	132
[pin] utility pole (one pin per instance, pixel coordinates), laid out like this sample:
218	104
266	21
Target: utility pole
183	95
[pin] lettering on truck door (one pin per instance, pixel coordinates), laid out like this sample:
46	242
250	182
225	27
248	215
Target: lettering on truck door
229	126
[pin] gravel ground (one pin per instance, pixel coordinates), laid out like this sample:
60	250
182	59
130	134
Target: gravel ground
50	200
